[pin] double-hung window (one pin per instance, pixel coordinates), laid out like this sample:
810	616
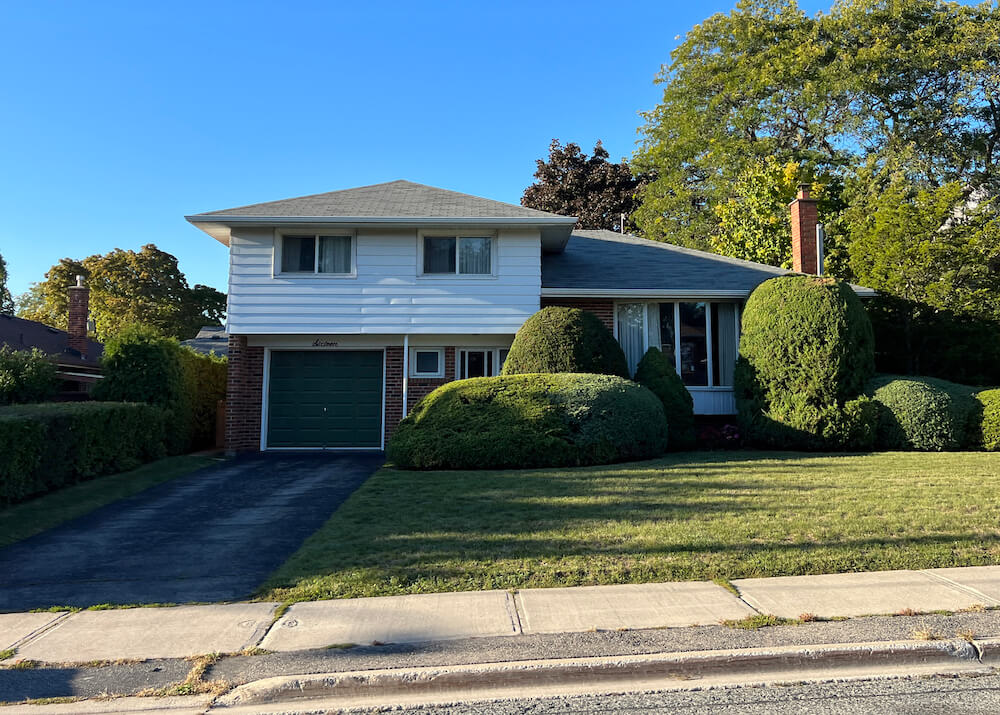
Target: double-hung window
457	255
326	254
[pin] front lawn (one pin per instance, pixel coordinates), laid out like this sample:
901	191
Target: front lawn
696	515
48	510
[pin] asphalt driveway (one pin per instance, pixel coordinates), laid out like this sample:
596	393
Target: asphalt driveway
212	535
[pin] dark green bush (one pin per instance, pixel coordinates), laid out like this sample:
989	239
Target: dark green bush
796	424
517	421
990	425
204	386
565	340
659	376
44	447
140	365
925	414
806	352
914	338
26	376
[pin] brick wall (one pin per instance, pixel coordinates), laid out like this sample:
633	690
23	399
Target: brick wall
417	387
603	308
244	389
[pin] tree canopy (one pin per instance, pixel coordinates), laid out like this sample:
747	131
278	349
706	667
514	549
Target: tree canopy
6	302
592	188
127	287
866	82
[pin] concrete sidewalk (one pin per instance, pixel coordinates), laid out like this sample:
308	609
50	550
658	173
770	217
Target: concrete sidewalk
183	631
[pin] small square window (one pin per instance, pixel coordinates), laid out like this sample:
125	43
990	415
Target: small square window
426	363
439	254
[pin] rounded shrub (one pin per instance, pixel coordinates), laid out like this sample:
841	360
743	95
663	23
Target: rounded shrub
539	420
565	340
659	376
26	376
990	425
806	352
925	414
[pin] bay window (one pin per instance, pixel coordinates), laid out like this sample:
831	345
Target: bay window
700	338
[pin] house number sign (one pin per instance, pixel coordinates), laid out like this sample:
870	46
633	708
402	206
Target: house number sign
320	343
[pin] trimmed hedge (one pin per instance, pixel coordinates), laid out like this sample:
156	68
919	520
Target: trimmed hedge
518	421
204	385
44	447
659	376
140	365
926	414
26	376
806	352
990	425
555	340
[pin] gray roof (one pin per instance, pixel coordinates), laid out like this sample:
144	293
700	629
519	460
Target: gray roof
211	338
608	261
396	199
21	334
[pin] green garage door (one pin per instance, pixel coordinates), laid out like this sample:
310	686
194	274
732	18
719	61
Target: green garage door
325	398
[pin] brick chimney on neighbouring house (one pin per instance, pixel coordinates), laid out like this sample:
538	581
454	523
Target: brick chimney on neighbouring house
79	310
805	240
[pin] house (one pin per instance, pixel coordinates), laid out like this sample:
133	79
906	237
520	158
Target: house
345	308
76	356
210	339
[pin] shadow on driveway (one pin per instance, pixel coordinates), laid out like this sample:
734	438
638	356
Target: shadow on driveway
211	535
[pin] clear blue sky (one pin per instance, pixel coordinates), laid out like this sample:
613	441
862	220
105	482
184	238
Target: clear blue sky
121	117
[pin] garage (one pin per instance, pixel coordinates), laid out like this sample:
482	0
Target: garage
324	399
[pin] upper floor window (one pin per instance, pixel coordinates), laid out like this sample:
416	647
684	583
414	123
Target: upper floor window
326	254
458	255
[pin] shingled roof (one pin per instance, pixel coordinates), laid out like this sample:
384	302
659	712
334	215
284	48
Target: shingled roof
20	334
596	261
396	199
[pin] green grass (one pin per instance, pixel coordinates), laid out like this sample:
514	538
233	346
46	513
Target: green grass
698	515
20	521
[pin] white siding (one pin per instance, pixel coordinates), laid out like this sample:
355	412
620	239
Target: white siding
387	296
713	401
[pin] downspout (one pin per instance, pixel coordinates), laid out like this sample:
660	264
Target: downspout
406	370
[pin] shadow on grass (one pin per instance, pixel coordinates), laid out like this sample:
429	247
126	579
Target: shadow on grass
696	516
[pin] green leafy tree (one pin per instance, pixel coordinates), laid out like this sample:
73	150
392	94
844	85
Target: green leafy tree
592	188
6	302
127	287
936	246
754	222
831	92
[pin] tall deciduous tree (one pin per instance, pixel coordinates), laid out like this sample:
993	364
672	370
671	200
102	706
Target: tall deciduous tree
592	188
830	92
6	302
127	287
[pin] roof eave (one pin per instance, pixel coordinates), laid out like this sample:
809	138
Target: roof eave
219	226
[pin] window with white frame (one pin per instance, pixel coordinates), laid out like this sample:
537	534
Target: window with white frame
317	254
457	255
700	338
481	362
426	362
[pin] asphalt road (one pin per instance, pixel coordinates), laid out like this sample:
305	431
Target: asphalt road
909	696
212	535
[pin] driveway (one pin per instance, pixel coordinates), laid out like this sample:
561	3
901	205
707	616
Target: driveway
212	535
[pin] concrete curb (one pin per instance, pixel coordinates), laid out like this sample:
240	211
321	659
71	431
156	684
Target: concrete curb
697	669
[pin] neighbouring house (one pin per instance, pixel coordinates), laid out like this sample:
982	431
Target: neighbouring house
77	357
210	339
345	308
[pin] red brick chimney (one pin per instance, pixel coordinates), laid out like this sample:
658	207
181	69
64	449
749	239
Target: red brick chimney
79	310
805	257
